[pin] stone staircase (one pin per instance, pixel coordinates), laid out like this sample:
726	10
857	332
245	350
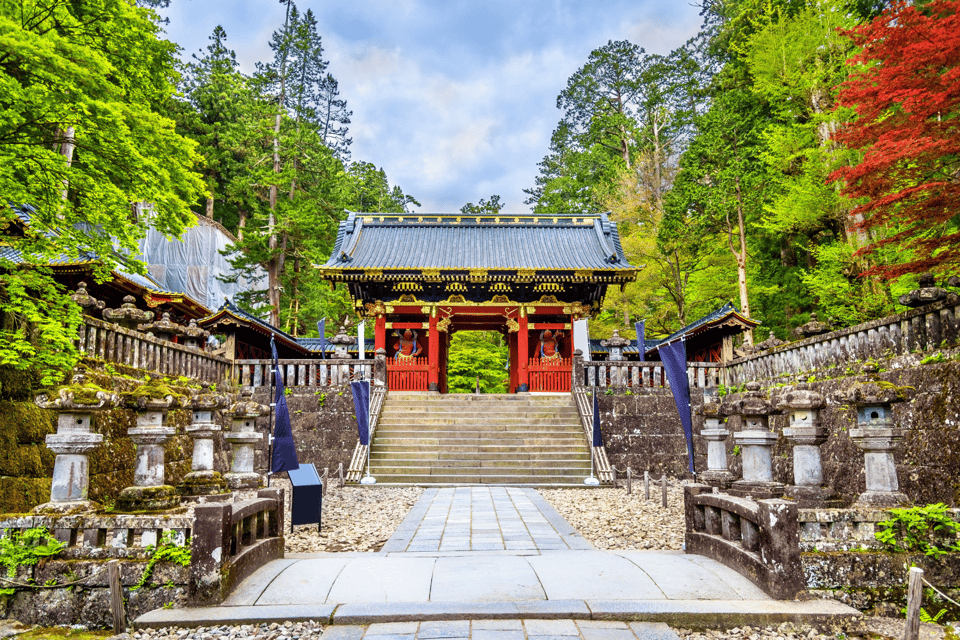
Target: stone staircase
434	439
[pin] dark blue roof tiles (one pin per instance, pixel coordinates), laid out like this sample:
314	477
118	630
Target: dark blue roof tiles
441	242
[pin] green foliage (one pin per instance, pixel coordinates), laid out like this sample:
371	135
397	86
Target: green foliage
167	551
473	354
934	358
24	549
928	529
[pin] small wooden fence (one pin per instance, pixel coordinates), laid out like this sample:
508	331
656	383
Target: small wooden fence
408	375
760	540
923	329
111	343
549	375
303	373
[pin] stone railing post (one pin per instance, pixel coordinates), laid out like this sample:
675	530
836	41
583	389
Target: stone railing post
209	548
151	401
779	524
717	473
806	434
203	479
127	316
577	380
756	445
877	436
380	367
243	437
75	405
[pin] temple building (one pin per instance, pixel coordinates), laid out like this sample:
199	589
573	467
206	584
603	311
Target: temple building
421	278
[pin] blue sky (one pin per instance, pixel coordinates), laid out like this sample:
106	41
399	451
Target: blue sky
455	100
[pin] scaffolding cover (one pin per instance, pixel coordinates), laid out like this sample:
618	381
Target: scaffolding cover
192	265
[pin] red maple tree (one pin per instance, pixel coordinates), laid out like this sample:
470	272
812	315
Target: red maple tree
906	93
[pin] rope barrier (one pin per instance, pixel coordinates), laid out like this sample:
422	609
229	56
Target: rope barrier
941	593
52	586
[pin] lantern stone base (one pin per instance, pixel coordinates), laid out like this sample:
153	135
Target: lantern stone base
808	497
156	498
75	507
203	483
720	479
757	490
239	481
881	500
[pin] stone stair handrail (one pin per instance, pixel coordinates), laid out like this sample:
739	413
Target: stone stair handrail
758	539
231	540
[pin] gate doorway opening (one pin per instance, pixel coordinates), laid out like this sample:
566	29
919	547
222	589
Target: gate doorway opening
478	358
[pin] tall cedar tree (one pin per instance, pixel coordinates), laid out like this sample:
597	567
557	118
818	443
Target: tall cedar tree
907	97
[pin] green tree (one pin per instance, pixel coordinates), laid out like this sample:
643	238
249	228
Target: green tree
484	207
83	135
474	354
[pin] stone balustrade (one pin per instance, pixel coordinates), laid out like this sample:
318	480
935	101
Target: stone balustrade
304	373
112	343
923	329
630	374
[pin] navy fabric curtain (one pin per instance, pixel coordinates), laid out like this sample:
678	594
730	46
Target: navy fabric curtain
674	358
641	337
597	435
284	456
321	329
361	406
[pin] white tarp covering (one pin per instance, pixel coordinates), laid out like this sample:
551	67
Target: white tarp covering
191	265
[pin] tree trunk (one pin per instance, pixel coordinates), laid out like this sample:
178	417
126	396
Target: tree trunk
741	257
66	150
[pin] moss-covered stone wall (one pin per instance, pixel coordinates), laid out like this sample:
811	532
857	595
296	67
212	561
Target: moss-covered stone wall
643	430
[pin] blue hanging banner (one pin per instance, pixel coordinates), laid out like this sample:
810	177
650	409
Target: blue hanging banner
641	338
321	329
597	435
284	456
674	358
361	406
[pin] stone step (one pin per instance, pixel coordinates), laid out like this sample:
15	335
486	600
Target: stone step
453	423
519	455
473	418
411	431
387	442
459	478
425	472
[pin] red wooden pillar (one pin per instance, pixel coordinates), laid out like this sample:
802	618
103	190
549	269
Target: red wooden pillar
433	354
380	333
523	355
514	361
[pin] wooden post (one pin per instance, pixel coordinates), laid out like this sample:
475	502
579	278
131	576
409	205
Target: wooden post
380	333
433	353
629	481
646	485
116	598
523	354
914	599
663	483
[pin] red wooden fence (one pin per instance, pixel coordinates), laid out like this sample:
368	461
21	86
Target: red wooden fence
408	375
549	375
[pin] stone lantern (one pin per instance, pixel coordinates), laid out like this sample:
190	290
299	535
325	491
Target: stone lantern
806	433
90	305
244	438
756	445
203	479
812	328
928	293
717	473
164	328
152	402
75	405
619	376
877	436
195	337
341	344
127	316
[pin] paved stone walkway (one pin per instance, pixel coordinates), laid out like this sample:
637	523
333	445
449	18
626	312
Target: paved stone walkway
504	630
483	519
495	553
